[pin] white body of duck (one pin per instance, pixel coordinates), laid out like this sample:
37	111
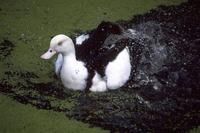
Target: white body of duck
74	74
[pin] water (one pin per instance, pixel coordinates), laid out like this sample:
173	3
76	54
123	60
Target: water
163	92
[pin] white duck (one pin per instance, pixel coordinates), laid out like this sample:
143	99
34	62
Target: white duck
74	73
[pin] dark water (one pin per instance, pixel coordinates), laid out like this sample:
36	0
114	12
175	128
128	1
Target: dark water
163	93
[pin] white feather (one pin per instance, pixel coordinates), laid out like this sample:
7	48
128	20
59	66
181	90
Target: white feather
118	71
98	84
80	39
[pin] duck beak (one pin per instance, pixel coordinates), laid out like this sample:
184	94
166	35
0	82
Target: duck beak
48	54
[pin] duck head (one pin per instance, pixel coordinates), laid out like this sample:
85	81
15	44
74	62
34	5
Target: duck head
59	44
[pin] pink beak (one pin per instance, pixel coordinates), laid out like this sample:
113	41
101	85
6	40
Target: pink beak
48	54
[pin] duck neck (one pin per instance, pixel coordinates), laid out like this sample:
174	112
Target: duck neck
70	58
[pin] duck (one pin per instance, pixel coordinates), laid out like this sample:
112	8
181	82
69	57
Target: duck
87	63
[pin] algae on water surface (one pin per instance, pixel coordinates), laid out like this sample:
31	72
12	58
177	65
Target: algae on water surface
24	118
28	26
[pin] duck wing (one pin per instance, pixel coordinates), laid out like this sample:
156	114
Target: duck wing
58	64
108	54
104	55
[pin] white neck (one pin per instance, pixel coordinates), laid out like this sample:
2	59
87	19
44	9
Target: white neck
69	58
70	49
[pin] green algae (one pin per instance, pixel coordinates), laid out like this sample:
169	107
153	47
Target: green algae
24	118
195	130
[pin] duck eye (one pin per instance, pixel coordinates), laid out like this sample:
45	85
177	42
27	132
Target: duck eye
50	50
60	43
